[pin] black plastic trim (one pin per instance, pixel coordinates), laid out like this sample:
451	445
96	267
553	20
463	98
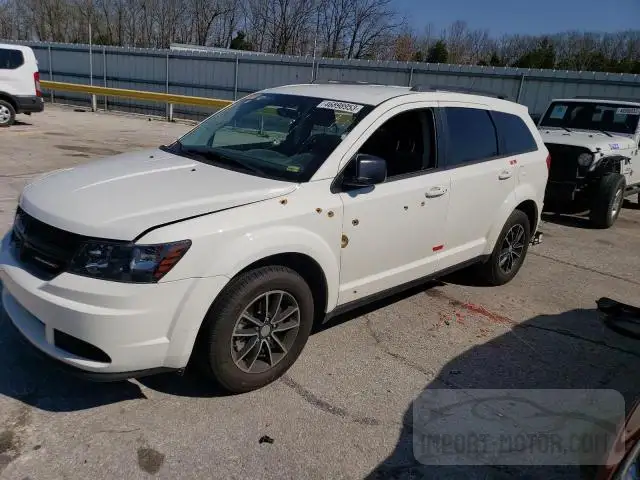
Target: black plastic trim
341	309
29	104
631	189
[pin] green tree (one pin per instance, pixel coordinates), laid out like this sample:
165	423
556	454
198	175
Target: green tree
438	53
496	61
239	42
543	56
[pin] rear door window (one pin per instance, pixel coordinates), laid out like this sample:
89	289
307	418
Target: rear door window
10	59
514	135
471	135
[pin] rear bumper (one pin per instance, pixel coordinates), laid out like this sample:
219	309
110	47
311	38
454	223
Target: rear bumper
29	104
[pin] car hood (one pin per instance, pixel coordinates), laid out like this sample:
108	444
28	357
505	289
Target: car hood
122	196
588	139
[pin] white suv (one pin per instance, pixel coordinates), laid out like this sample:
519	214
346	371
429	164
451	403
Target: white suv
19	83
279	211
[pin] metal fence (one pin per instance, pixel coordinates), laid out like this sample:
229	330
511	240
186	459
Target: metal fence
231	76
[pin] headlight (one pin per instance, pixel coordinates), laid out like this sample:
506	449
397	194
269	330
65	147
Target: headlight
127	262
585	159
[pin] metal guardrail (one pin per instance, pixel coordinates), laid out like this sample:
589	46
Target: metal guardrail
167	98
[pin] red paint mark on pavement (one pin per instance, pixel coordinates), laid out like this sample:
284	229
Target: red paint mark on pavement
493	317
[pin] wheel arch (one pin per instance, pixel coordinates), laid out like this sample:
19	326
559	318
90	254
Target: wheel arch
524	200
611	164
9	98
530	208
305	266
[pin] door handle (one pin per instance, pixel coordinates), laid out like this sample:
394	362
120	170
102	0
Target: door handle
505	174
435	192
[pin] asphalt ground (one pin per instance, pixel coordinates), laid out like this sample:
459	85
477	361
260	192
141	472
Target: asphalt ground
344	410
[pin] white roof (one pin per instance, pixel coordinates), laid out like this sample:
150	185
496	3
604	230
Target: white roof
358	93
13	46
598	100
370	94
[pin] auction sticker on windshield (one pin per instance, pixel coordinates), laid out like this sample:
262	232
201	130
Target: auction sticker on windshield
628	111
340	106
558	111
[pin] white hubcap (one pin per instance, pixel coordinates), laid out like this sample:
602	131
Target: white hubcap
5	114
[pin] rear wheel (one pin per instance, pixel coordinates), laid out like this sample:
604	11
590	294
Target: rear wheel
7	114
256	329
510	250
607	200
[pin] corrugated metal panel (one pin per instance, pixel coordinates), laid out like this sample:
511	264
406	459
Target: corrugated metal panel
213	74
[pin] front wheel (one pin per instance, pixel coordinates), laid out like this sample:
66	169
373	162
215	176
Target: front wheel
256	329
510	250
607	201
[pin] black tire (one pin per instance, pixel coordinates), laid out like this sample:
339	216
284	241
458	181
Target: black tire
490	272
7	114
606	203
214	353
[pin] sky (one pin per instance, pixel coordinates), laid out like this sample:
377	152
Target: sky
524	16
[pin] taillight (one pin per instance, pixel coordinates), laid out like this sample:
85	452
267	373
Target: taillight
548	161
36	80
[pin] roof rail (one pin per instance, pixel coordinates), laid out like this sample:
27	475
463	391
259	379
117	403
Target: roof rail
471	91
343	82
615	99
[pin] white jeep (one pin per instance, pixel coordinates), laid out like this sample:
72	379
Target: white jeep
595	157
286	208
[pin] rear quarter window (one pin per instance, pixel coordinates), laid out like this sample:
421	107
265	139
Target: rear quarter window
514	135
10	59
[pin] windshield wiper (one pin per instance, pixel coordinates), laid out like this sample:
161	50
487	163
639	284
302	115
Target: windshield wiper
565	128
606	133
210	154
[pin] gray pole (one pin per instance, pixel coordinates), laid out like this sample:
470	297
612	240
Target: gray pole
94	101
520	88
166	90
315	44
51	74
104	71
235	82
90	57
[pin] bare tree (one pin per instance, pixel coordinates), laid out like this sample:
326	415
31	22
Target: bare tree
371	23
340	28
335	18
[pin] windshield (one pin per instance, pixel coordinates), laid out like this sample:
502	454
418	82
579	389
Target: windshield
286	137
605	117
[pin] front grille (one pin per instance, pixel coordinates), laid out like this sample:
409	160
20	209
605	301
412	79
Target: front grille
564	162
45	250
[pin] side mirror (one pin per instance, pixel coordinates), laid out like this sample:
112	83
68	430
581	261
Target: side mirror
365	170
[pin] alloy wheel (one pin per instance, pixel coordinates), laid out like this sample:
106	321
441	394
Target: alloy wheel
265	331
512	248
